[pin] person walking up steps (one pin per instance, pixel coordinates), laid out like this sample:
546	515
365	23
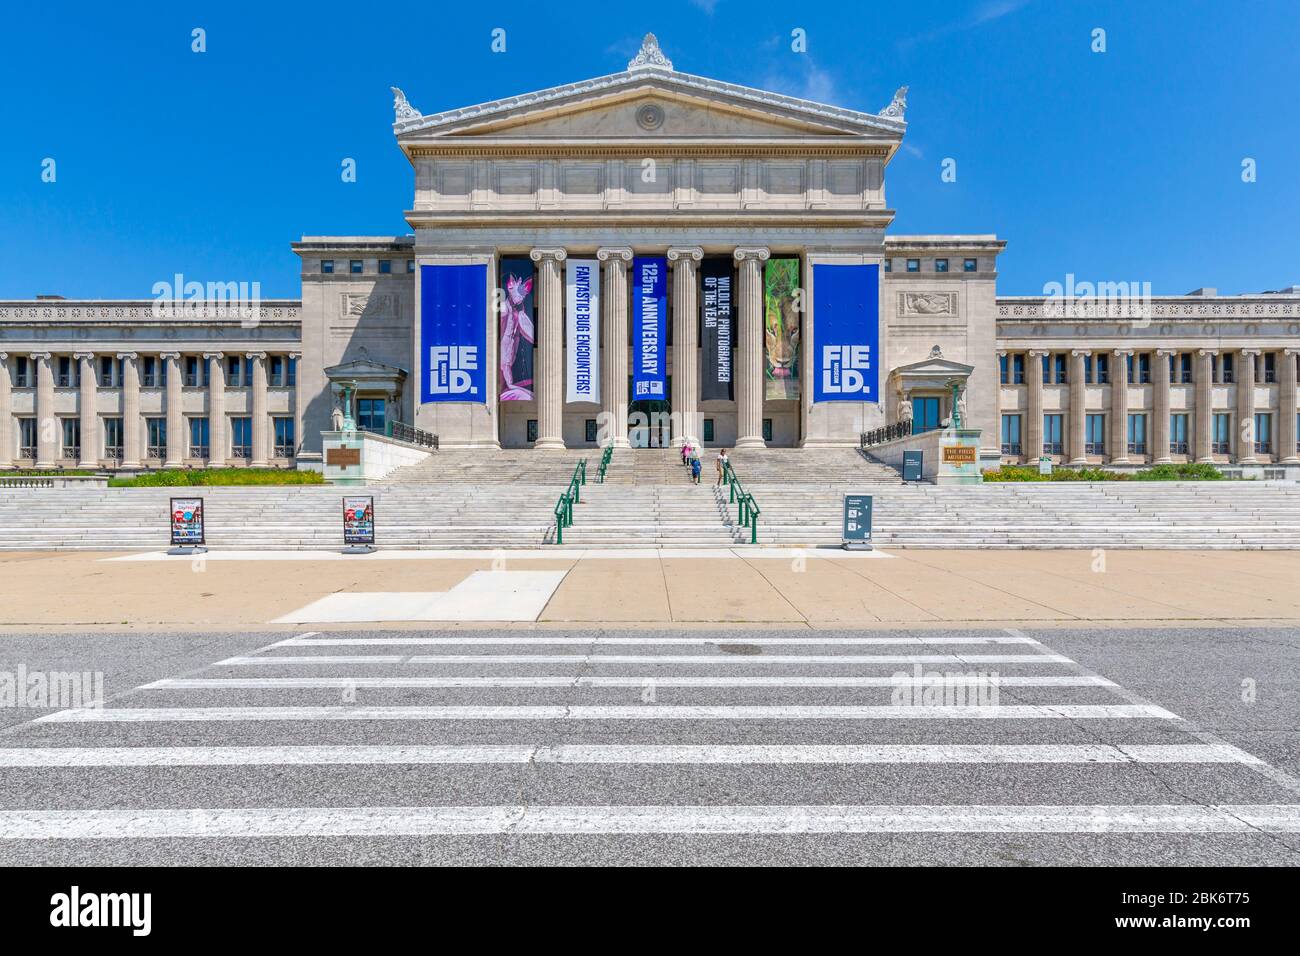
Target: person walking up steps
722	465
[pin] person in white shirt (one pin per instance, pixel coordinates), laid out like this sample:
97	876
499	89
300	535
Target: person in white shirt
722	464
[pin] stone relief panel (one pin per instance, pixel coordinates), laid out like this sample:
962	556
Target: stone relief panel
927	303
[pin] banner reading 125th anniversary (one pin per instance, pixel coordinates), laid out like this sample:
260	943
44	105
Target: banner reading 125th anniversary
453	333
582	300
649	376
846	333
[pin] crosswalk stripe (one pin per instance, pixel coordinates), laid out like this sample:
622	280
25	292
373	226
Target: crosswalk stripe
689	820
259	683
546	641
596	712
646	659
240	756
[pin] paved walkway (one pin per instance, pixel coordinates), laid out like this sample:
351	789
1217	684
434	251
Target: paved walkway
777	587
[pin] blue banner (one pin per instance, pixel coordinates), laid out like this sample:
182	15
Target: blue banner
649	374
846	333
453	333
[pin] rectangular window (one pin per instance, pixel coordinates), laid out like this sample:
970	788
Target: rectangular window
327	267
371	414
192	372
71	447
1229	374
1052	435
1137	434
385	267
198	438
1270	367
1221	442
1103	369
156	429
589	430
1017	370
1087	368
913	265
354	266
767	429
410	265
26	438
291	372
148	372
22	372
241	437
275	371
113	439
970	265
1184	373
1011	434
1094	440
109	371
66	377
234	371
1004	373
1061	365
940	265
530	433
1264	433
708	429
888	264
285	445
1178	434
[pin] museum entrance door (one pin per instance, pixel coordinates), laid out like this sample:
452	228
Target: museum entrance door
650	424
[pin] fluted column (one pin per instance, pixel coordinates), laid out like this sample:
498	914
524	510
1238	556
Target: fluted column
550	348
261	424
218	442
749	357
1034	404
7	443
47	431
176	439
1287	430
686	342
299	405
1246	406
1119	407
613	297
87	401
132	428
1204	424
1160	408
1078	409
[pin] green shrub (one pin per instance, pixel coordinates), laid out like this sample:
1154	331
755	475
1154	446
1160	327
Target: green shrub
1184	471
218	476
1188	471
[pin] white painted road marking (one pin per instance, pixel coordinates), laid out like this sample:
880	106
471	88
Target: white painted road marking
709	659
543	640
690	820
266	683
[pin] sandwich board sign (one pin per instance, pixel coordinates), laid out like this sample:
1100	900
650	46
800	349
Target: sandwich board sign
912	461
857	522
358	523
187	534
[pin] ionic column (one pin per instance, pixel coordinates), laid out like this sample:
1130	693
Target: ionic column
1034	404
131	425
1246	406
1287	433
686	345
6	413
613	297
1160	409
299	405
749	353
87	399
47	432
217	439
175	413
550	348
1078	409
1119	406
1204	424
261	424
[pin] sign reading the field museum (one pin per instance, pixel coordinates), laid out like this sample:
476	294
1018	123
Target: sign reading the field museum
959	454
781	329
649	375
582	310
453	333
846	333
717	275
518	335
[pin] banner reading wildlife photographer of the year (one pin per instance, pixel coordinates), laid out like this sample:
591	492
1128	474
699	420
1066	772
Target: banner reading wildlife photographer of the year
649	376
715	344
518	335
358	519
846	333
781	329
453	333
582	301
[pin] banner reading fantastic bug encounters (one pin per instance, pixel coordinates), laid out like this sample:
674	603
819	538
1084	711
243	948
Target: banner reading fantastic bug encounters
582	319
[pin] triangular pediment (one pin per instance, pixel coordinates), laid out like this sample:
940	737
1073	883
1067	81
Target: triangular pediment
935	367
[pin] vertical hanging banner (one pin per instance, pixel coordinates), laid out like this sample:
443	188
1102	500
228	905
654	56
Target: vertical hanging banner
781	329
717	275
649	375
846	333
453	333
582	310
518	330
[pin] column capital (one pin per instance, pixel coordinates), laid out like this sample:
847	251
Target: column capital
294	355
1291	351
1121	353
1037	353
1204	352
1252	352
255	355
39	356
127	355
761	253
1166	352
685	253
614	252
169	355
3	356
84	356
559	255
1077	352
214	355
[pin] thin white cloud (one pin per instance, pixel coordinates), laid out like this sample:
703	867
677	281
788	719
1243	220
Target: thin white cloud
986	12
708	6
807	81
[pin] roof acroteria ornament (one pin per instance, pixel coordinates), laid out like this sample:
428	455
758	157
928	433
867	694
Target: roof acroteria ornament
897	106
402	109
650	56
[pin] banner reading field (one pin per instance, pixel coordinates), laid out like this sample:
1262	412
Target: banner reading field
649	375
846	333
781	329
518	329
717	275
582	288
453	333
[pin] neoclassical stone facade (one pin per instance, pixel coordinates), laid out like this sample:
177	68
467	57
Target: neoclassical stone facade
650	161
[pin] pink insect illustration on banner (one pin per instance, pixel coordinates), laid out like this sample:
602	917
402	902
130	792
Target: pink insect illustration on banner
517	339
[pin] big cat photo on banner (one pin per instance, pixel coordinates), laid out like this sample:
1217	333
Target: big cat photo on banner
582	321
717	279
846	333
649	374
781	329
517	329
453	333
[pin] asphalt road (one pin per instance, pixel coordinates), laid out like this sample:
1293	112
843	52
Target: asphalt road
1141	746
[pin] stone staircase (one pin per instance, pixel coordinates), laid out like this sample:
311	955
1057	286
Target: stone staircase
508	466
808	466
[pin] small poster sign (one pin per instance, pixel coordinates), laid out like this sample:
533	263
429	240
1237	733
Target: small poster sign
358	520
187	522
912	465
857	522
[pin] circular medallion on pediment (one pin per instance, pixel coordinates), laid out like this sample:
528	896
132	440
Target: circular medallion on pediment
650	116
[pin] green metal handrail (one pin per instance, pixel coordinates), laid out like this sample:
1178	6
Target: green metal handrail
747	510
571	496
604	463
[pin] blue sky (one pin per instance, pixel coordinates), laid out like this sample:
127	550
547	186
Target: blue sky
1122	165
